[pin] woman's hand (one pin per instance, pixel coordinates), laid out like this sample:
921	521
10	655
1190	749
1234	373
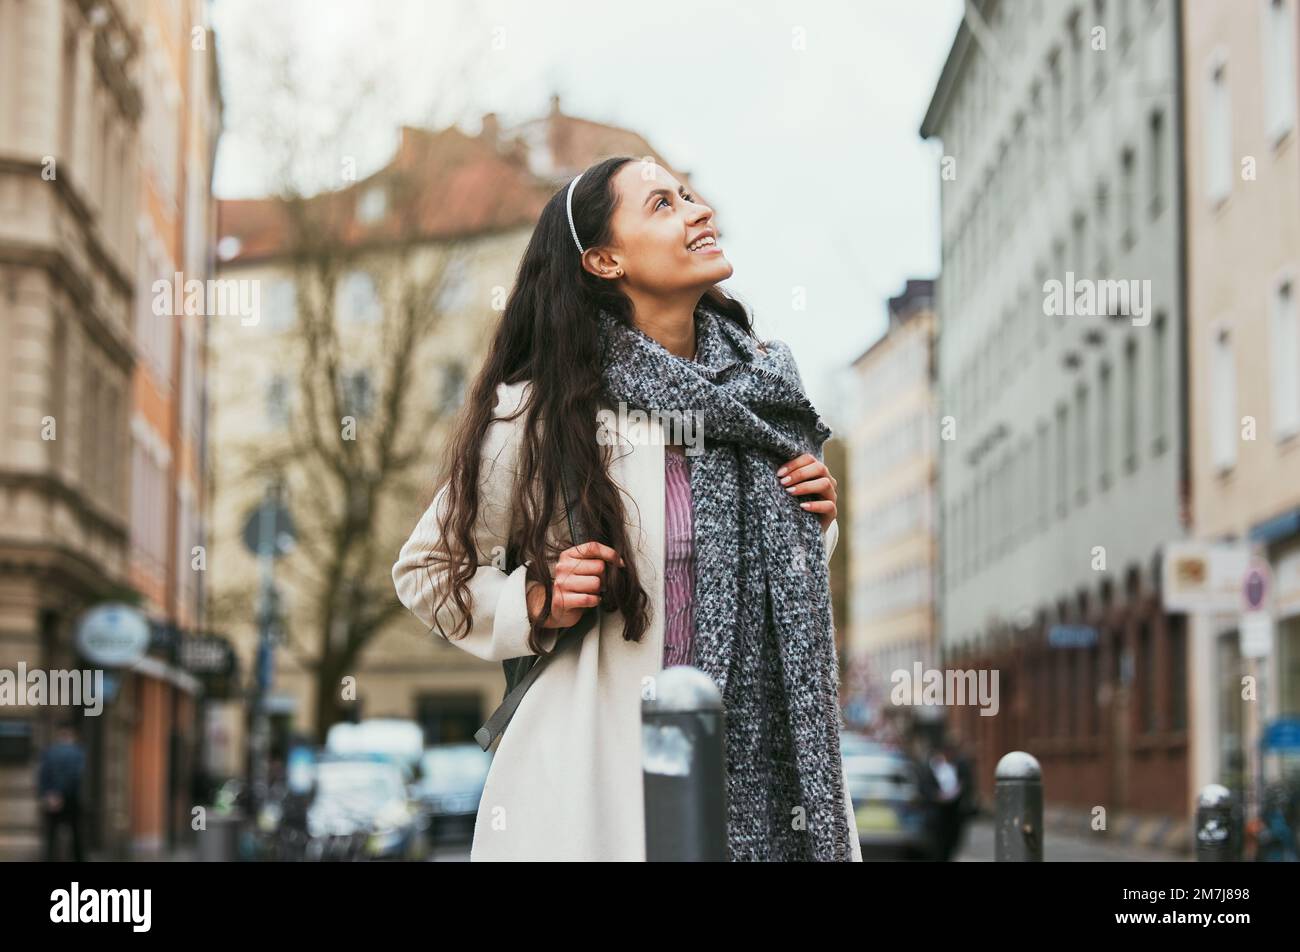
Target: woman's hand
579	580
807	474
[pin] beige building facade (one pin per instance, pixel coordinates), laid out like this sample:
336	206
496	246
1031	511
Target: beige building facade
892	473
100	104
1243	246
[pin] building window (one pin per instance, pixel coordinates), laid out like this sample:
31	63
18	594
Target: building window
453	386
1102	228
1278	43
282	304
1098	57
1176	631
1223	385
1077	47
358	396
358	301
68	94
1044	480
1159	384
1081	432
1057	105
1156	164
1147	673
455	291
1080	231
373	205
1127	198
1218	132
1062	460
277	402
1130	405
1286	361
1104	425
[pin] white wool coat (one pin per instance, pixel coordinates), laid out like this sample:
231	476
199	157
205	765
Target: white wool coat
565	782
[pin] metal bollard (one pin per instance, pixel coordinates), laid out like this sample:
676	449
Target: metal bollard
683	762
1218	826
219	843
1018	798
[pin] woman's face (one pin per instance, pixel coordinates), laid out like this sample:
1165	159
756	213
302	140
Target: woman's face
655	222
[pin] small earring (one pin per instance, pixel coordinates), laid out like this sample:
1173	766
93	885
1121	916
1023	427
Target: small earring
618	272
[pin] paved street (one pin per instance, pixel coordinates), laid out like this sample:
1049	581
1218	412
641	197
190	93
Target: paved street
977	846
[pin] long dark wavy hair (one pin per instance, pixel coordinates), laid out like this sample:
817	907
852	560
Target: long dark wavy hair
548	335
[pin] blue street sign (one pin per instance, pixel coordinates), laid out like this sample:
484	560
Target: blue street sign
1071	636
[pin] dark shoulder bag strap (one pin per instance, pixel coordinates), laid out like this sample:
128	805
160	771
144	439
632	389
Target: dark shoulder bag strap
487	735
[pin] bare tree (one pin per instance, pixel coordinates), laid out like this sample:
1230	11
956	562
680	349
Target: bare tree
360	428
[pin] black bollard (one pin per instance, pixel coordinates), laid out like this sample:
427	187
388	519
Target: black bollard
1218	826
683	758
1018	798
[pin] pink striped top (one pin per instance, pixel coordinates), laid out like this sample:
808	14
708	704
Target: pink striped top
679	559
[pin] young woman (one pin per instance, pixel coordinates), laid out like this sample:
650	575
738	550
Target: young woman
615	340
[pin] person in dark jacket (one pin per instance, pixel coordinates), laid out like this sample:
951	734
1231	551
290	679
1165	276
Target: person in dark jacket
62	765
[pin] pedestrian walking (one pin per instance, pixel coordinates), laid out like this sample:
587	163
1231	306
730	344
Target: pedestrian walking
59	786
711	514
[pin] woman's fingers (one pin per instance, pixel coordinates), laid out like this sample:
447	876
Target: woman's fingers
800	460
593	550
821	485
565	600
581	583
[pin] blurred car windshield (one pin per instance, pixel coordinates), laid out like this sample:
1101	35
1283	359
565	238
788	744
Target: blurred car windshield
454	768
359	780
880	776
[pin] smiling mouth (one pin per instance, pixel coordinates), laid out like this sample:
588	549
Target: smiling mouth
704	245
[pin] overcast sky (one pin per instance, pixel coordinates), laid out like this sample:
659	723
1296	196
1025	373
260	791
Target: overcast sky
810	157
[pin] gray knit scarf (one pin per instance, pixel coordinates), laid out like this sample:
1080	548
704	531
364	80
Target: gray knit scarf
763	627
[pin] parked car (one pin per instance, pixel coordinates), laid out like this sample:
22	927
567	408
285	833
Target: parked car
449	790
888	803
362	810
400	739
853	744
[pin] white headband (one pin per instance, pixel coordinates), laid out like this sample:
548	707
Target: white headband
568	202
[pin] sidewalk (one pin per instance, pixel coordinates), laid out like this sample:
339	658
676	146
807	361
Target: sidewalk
1162	833
1065	844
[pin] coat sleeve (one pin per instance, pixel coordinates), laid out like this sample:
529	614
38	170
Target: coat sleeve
831	534
499	623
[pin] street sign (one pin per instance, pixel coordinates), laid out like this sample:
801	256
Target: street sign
1203	576
1071	636
1255	585
270	525
1256	634
113	635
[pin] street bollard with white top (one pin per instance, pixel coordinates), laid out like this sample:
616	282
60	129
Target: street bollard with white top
683	758
1218	825
1018	798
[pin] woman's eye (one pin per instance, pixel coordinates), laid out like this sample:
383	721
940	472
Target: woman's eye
688	196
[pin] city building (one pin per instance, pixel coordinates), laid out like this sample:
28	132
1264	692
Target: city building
1063	455
1243	244
892	530
101	106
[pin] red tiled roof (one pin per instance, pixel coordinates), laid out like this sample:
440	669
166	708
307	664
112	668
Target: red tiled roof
442	185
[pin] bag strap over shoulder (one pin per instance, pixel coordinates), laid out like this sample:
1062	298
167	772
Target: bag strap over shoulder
487	735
